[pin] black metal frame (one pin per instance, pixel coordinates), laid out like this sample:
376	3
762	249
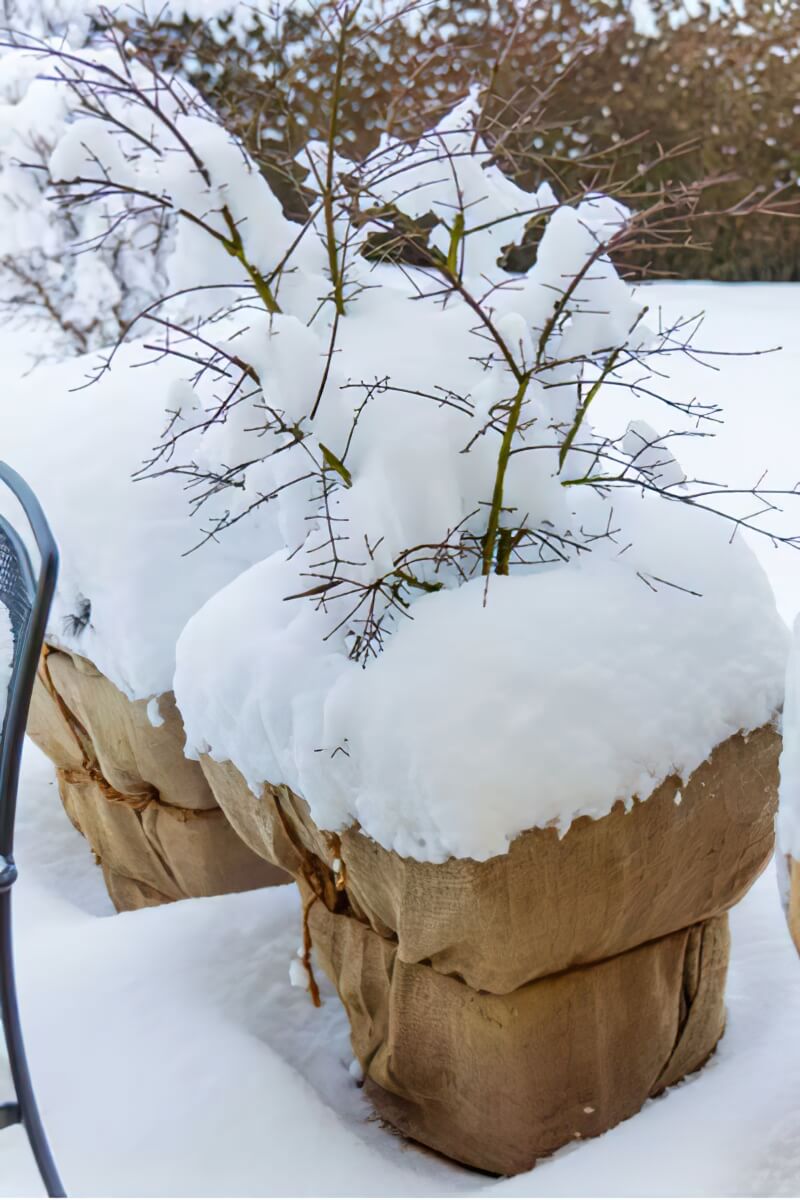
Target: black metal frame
28	599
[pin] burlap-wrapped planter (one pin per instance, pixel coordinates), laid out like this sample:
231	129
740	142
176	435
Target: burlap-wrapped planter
500	1009
145	809
792	881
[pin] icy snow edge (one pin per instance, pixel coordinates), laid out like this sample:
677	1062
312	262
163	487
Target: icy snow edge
571	688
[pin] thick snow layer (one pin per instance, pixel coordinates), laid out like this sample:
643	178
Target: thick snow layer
6	658
565	692
127	583
172	1057
554	695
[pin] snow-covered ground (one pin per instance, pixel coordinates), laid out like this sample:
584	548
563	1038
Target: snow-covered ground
172	1057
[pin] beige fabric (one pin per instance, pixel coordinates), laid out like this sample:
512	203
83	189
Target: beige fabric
793	912
502	1009
551	903
499	1081
126	746
145	809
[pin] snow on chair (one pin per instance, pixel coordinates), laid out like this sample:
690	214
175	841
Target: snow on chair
27	599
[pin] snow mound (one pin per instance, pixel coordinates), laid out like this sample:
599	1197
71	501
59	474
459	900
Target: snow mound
568	689
129	577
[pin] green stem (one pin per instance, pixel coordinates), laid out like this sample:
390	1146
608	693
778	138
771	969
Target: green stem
333	130
507	542
583	408
456	238
235	247
496	508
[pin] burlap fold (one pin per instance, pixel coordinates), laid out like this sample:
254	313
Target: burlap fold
688	853
145	809
498	1082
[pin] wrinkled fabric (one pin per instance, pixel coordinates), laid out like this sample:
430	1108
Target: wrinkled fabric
498	1082
502	1009
688	853
146	810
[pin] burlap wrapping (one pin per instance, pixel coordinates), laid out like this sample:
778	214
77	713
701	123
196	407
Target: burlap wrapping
502	1009
500	1081
146	810
551	903
793	907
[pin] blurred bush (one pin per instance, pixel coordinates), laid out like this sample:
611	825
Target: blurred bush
577	90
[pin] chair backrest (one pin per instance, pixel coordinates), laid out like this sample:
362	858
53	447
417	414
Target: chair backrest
17	587
27	597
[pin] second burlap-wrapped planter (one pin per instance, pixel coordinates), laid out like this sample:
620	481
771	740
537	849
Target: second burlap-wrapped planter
145	809
790	889
500	1009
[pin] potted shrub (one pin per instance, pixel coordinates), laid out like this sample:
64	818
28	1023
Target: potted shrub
507	991
500	692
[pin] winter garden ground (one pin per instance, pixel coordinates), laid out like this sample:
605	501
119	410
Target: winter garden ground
172	1057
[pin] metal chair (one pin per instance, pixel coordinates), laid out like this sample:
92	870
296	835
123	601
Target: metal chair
27	598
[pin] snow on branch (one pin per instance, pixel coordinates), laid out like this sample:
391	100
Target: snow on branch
417	375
